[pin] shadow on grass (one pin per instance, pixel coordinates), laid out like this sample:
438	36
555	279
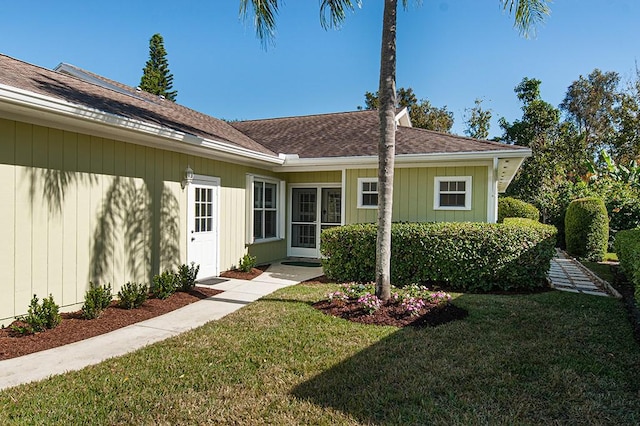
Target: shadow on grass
525	359
382	384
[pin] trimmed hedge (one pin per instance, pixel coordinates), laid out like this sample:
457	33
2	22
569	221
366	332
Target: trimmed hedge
586	225
628	250
512	207
463	256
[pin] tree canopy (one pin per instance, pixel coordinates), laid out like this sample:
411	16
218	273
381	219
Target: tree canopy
422	114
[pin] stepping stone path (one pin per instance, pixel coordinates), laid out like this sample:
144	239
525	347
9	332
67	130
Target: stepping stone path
567	274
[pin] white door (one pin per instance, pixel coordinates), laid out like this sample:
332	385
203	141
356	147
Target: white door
202	225
312	210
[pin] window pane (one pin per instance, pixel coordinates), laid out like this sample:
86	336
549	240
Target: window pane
270	221
257	224
461	186
369	199
366	186
452	200
303	236
257	194
269	195
374	186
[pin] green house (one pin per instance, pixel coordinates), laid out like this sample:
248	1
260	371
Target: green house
103	182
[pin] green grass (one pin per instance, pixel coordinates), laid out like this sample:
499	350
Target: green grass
602	270
611	257
548	358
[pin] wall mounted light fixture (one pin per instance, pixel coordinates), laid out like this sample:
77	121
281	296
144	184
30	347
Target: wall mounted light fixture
188	177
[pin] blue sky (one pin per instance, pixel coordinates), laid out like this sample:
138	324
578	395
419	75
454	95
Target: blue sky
449	51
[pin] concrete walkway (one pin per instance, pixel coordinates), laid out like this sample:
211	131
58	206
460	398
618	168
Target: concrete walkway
567	274
75	356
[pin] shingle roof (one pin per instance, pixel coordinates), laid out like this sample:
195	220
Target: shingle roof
347	134
120	100
353	134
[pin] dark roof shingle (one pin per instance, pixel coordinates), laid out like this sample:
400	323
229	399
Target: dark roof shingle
354	134
126	102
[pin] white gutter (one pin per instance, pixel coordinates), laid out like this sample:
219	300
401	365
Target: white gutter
46	110
293	164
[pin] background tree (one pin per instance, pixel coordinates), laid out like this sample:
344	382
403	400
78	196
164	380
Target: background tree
422	114
626	143
156	77
333	13
590	103
555	153
478	122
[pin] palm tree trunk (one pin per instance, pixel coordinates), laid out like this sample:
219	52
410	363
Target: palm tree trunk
386	149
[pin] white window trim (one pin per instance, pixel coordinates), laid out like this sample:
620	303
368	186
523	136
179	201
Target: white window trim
467	192
360	192
280	203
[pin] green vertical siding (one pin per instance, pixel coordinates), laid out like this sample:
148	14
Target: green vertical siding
314	177
413	195
80	208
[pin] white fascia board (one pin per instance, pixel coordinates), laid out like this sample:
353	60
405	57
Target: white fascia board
403	119
43	110
403	160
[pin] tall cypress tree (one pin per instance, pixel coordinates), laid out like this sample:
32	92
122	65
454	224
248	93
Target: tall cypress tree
156	77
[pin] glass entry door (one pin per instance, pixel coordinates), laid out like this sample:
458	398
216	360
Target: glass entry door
312	209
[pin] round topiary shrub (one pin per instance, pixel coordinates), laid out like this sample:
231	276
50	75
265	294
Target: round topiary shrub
587	228
512	207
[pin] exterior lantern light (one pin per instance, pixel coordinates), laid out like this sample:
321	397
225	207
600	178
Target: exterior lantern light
188	177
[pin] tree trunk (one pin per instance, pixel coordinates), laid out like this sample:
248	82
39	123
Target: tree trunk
386	148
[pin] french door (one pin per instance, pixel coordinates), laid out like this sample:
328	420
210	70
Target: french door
312	210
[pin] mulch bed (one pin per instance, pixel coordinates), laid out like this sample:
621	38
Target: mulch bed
389	313
239	275
74	328
392	314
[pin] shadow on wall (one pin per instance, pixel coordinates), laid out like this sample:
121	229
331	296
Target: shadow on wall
140	223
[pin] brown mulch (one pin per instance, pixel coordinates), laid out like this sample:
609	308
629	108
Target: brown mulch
392	314
239	275
389	313
74	328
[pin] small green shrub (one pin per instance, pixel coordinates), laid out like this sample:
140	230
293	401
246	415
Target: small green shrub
247	262
132	295
164	285
39	317
512	207
628	249
587	228
464	256
96	300
187	275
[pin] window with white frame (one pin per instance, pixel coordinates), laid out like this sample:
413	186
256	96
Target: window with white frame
452	193
367	193
265	199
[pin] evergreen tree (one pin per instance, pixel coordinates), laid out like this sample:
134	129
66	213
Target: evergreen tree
156	77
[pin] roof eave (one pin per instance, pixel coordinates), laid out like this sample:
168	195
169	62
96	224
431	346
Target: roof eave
19	104
293	164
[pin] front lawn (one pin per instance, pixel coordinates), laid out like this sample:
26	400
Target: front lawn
548	358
